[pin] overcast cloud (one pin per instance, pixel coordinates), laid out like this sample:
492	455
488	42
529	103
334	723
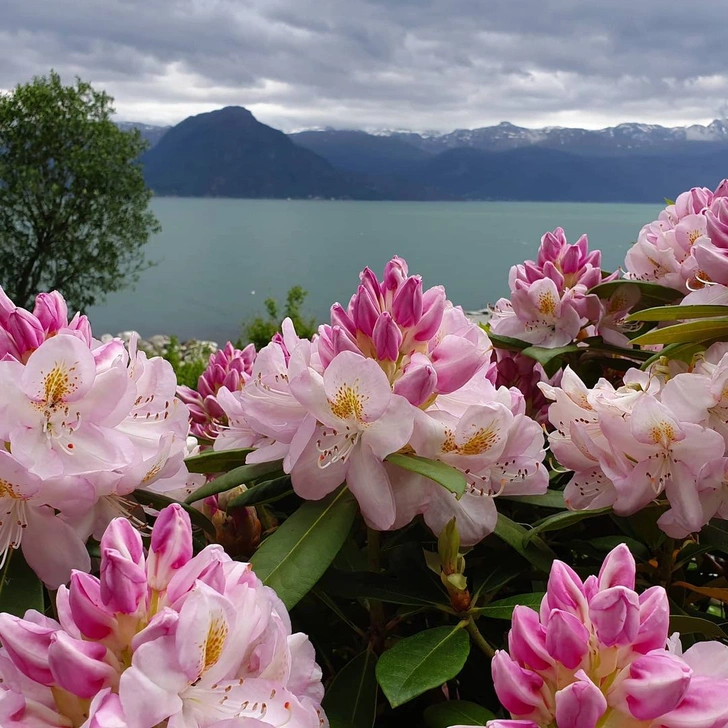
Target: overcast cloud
417	64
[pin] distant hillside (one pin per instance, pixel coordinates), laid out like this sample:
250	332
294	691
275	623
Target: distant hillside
228	153
149	132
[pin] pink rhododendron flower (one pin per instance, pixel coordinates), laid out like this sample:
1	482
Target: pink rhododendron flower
163	638
229	368
550	304
686	247
82	424
654	436
597	654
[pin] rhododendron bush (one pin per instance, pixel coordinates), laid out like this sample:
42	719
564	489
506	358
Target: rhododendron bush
407	519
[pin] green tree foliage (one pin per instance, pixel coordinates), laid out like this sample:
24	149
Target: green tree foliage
73	203
261	329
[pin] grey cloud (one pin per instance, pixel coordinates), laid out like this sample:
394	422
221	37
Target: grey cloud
383	63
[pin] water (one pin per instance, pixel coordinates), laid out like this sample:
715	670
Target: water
219	259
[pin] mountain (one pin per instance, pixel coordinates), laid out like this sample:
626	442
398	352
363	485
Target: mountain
362	152
228	153
148	131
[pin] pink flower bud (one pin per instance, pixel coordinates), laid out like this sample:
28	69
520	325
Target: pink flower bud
106	711
92	618
395	273
654	620
26	330
615	613
527	640
78	666
342	341
551	246
618	568
506	724
365	311
418	382
720	191
407	304
387	338
122	537
51	310
123	583
519	690
580	705
571	261
207	566
371	284
27	645
171	546
655	685
433	308
567	639
564	591
339	317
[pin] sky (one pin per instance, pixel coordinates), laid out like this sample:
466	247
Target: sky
383	64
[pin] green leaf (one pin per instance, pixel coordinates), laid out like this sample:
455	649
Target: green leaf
239	476
550	358
695	625
678	313
448	477
505	342
159	501
269	491
503	608
650	293
368	585
490	576
692	331
550	499
716	534
563	520
351	699
533	550
212	461
293	558
20	588
456	712
422	662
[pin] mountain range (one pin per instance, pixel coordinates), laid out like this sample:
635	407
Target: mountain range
228	153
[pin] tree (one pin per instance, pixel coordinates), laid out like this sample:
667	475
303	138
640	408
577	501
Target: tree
73	203
261	330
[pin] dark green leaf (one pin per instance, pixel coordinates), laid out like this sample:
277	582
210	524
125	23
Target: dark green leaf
293	558
678	313
368	585
503	608
456	712
239	476
447	476
550	499
651	294
494	574
716	534
534	550
506	342
268	491
212	461
550	359
20	588
563	520
695	625
351	699
422	662
159	501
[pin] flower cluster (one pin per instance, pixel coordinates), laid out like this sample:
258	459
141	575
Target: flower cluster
399	369
550	305
228	367
598	654
159	639
663	431
82	425
686	248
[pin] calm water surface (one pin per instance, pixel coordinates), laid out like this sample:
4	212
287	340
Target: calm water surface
219	259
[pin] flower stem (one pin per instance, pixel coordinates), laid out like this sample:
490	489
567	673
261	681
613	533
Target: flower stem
376	609
478	639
